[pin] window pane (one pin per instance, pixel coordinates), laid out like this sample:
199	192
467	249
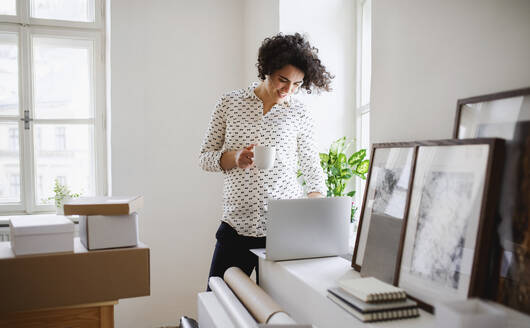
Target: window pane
366	55
63	152
9	163
70	10
8	7
365	130
63	77
364	142
8	74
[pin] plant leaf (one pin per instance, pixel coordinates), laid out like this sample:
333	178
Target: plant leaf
362	168
342	158
324	157
346	174
351	193
332	158
357	157
337	146
353	211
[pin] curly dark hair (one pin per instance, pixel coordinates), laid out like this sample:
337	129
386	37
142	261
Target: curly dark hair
280	50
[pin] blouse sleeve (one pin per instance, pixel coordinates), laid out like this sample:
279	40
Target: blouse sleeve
308	155
212	144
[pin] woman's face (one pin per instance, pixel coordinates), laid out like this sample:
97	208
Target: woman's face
284	82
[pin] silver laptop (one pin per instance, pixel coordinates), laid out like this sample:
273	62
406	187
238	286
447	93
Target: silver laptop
306	228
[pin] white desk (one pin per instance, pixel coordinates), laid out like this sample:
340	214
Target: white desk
300	287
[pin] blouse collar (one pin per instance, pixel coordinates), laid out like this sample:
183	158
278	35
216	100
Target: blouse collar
249	93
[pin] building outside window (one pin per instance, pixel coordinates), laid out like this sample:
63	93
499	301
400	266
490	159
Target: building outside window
61	179
60	138
14	186
52	100
13	139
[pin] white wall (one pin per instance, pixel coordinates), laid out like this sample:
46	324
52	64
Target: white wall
261	20
170	61
329	26
426	54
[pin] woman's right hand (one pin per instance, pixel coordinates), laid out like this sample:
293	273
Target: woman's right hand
244	158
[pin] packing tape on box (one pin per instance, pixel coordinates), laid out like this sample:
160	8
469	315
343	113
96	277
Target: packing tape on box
233	307
256	300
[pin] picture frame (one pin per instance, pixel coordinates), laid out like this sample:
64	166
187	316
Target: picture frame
506	115
446	239
383	209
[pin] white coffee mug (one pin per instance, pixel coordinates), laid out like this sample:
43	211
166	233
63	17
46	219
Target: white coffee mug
264	157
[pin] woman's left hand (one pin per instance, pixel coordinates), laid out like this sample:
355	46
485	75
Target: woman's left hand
315	195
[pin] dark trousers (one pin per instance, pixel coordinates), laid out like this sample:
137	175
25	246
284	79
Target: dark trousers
231	250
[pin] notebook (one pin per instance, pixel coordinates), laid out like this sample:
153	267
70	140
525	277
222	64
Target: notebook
375	316
372	290
307	228
370	307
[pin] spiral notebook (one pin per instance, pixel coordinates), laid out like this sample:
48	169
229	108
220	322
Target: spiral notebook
375	316
372	290
370	307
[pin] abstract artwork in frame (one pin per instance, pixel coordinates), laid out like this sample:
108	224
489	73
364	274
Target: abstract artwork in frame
383	210
506	115
449	224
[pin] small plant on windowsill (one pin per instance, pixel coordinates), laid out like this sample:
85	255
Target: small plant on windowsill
62	193
339	168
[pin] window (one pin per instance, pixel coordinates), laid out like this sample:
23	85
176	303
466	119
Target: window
52	101
14	186
364	67
40	184
61	179
13	139
8	7
60	138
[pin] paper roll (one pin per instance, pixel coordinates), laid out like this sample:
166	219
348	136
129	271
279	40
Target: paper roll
259	303
233	307
281	318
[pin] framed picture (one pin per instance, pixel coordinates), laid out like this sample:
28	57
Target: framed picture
446	241
383	210
506	115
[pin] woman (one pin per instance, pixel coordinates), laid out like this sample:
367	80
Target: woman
263	114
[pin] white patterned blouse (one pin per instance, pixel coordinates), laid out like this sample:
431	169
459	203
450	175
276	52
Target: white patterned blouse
238	121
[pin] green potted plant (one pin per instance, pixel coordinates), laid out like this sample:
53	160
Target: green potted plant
339	168
62	193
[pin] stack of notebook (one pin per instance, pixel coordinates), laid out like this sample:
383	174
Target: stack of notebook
369	299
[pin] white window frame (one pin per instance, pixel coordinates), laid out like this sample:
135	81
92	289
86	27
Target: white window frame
26	27
361	109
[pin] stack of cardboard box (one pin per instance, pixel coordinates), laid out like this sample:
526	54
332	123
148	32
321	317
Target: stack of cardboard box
106	222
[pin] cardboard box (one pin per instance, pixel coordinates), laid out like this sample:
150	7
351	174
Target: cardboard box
103	205
37	234
64	279
108	231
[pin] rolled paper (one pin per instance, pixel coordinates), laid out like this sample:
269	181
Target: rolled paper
281	318
255	299
233	307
